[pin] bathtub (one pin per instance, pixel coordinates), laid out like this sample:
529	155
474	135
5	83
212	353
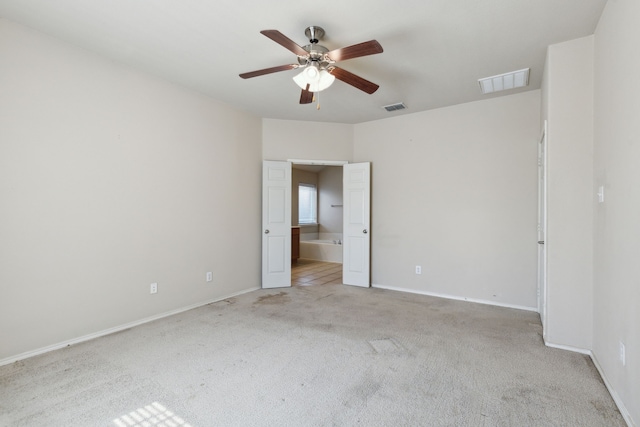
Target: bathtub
321	250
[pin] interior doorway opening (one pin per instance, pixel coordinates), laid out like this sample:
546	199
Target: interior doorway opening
305	272
317	224
277	231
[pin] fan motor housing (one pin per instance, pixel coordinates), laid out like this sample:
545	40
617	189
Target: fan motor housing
316	54
314	33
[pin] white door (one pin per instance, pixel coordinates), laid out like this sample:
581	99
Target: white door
356	232
276	224
542	228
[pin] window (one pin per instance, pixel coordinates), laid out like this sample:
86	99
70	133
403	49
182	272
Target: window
307	204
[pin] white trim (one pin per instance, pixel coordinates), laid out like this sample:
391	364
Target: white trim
36	352
318	162
616	399
454	297
542	229
306	225
619	403
623	409
567	347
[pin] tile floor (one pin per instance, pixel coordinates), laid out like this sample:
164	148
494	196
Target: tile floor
306	272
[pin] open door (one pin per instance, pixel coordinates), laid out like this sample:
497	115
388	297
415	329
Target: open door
542	229
356	219
276	224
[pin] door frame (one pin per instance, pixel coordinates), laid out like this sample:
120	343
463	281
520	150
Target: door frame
308	162
542	228
317	163
290	162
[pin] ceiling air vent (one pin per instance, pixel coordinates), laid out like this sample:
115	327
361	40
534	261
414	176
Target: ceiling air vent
395	107
505	81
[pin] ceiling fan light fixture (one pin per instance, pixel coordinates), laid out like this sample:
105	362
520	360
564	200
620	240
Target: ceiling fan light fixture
317	63
318	80
312	73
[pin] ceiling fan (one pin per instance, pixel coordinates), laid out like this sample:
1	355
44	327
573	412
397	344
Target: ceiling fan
317	63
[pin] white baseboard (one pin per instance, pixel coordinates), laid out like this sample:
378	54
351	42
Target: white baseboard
453	297
623	409
36	352
568	348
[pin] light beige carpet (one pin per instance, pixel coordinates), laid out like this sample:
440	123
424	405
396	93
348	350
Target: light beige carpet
326	355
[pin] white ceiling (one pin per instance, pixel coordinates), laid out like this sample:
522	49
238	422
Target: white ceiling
434	51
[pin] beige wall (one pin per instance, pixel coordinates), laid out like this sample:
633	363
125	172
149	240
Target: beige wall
110	180
330	193
454	190
289	139
328	182
617	220
568	105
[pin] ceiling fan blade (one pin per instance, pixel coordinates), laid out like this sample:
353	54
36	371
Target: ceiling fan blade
353	80
306	97
268	71
285	42
357	50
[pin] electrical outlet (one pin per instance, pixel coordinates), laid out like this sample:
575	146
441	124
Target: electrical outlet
623	356
418	269
153	288
209	276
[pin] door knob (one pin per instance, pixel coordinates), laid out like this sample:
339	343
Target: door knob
364	231
541	242
266	231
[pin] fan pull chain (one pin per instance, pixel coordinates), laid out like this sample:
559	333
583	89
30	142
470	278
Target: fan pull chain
318	100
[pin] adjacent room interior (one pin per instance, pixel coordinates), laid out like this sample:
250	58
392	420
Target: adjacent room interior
316	224
131	159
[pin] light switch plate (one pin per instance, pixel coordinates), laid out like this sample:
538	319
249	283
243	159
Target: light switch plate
601	194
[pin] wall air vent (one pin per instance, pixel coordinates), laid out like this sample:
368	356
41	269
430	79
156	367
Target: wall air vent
505	81
395	107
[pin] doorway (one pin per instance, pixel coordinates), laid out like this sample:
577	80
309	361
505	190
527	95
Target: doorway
542	229
276	222
306	272
317	218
